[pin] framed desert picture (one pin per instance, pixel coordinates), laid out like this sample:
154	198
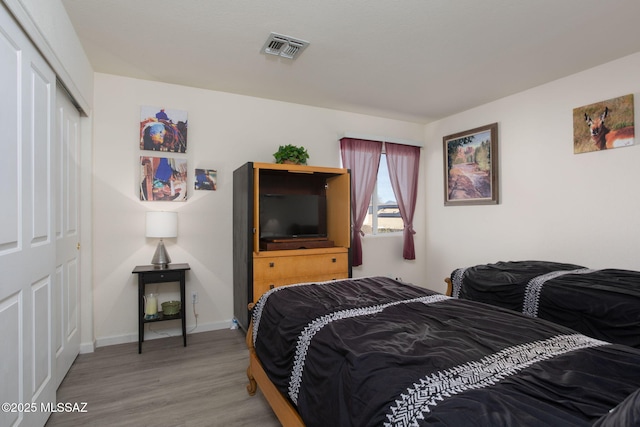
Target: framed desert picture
471	167
163	129
604	125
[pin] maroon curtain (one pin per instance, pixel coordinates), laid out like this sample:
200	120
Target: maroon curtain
404	162
363	158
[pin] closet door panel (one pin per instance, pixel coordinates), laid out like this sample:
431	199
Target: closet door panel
67	231
27	241
11	297
10	161
12	366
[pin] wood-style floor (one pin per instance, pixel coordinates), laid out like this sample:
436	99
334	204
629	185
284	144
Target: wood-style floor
168	385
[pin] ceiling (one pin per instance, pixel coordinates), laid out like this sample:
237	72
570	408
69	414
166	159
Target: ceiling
414	60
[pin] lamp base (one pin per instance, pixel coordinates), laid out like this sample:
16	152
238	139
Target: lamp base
161	258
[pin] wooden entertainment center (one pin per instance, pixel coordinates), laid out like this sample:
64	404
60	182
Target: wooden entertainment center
262	264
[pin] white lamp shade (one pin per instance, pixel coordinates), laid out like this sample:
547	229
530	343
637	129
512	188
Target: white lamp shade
162	224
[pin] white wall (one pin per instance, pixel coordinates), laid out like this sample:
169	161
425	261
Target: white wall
225	131
555	205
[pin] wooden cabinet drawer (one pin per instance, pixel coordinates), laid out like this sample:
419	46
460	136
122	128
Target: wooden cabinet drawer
260	287
277	268
271	272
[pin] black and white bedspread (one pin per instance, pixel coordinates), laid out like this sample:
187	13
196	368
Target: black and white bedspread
377	352
604	304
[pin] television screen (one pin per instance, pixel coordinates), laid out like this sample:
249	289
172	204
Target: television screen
292	215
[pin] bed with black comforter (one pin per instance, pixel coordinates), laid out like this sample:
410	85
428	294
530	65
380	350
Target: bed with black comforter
378	352
601	303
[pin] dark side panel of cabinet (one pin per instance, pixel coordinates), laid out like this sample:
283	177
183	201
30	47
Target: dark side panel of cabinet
242	242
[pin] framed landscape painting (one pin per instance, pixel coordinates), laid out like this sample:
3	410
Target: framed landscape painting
471	167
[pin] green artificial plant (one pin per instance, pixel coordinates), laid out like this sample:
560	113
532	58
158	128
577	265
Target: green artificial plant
291	154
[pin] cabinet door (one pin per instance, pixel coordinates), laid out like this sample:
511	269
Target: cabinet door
339	210
242	242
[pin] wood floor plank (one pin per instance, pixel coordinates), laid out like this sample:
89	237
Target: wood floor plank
201	385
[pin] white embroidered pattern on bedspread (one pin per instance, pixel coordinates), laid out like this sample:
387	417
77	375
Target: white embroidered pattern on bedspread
425	394
534	288
257	310
307	334
456	282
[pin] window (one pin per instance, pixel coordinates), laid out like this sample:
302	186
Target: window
383	203
364	157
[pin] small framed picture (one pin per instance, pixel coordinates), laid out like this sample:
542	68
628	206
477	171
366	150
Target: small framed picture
206	179
471	167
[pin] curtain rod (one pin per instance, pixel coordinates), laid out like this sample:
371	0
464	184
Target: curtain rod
381	139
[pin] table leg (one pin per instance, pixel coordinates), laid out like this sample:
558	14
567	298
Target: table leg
183	316
140	313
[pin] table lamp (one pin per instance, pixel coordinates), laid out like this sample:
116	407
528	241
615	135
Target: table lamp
162	225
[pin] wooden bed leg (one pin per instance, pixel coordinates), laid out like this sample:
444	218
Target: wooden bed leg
282	407
449	286
252	386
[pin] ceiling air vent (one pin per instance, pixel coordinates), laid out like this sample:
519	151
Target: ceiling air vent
284	46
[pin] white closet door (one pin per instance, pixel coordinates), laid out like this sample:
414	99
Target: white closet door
66	305
27	233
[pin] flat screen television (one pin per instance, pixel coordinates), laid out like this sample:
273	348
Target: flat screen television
288	216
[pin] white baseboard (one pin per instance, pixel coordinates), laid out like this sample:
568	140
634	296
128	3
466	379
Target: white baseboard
155	331
88	347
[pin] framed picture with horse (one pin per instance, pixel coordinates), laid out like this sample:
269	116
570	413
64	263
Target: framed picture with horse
163	129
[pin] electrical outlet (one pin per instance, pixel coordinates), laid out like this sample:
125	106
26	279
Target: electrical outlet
194	297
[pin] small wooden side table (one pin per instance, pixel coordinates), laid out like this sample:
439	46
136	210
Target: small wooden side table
151	274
